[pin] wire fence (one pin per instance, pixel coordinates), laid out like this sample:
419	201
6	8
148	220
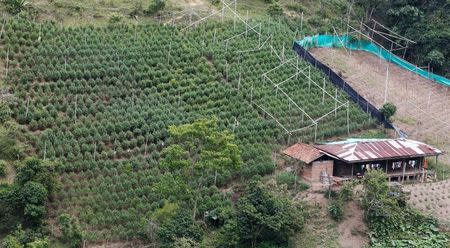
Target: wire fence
342	84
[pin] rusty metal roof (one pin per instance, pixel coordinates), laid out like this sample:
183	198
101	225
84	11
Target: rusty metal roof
303	152
377	149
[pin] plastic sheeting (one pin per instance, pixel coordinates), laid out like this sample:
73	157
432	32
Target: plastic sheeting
354	44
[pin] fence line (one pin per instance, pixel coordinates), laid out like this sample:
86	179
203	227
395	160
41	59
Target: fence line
342	84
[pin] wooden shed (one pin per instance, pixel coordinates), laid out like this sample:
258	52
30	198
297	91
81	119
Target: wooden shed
401	159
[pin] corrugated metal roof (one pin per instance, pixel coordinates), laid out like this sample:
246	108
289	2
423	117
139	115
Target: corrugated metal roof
377	149
303	152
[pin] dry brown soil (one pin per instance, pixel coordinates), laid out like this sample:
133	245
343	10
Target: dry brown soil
423	106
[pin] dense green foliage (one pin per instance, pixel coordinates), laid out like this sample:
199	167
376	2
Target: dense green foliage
24	201
388	110
14	6
3	166
23	204
391	222
155	6
71	232
425	22
106	103
263	217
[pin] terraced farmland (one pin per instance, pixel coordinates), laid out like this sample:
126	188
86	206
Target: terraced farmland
100	100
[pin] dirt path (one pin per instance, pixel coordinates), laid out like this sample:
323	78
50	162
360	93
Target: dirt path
352	230
423	106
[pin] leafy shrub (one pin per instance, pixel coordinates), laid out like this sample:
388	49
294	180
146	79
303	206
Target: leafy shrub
302	186
275	9
258	209
71	232
346	192
335	210
155	6
15	6
181	226
330	194
388	110
287	178
2	168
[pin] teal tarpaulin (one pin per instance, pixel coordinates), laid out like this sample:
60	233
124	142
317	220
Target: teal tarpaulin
363	45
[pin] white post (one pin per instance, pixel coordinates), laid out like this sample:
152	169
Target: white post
315	133
348	118
7	63
214	39
45	149
259	35
145	147
95	149
309	78
168	53
429	99
246	26
386	83
223	10
226	70
323	92
26	111
76	105
335	103
301	24
251	94
239	81
234	16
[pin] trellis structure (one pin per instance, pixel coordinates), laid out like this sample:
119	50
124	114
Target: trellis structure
277	85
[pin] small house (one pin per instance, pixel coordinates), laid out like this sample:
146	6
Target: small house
401	159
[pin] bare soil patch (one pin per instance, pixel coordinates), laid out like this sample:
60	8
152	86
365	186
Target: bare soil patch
423	106
352	230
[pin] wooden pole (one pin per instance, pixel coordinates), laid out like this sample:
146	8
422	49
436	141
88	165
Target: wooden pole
404	169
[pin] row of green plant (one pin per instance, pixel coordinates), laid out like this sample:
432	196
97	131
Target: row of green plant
103	100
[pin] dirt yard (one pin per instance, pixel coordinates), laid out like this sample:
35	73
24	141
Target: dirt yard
352	230
322	231
423	106
432	198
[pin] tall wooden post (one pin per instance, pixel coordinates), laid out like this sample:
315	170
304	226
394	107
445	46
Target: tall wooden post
404	169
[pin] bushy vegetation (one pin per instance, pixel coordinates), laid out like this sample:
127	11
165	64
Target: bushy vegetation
22	204
388	110
113	105
392	222
425	22
339	199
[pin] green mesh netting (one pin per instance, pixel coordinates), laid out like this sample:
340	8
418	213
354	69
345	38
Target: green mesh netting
354	44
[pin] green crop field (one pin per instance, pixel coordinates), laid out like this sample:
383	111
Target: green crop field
100	100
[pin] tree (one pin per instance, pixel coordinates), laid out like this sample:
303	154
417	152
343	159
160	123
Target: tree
263	216
39	171
71	231
200	149
388	110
